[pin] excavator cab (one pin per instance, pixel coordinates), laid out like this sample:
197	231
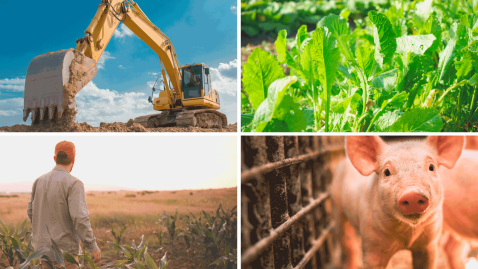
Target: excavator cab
196	81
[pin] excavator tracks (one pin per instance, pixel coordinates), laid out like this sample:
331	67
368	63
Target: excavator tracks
204	118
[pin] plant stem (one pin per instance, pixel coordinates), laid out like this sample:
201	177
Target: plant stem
461	83
327	108
473	105
320	113
373	120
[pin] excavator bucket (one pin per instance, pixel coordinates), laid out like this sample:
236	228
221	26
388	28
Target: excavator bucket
52	82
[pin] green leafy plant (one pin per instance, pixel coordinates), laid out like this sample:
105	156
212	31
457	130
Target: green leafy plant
163	263
160	237
118	236
170	222
15	244
269	17
409	68
130	254
229	260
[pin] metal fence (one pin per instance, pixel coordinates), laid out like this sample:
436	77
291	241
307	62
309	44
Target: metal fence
285	202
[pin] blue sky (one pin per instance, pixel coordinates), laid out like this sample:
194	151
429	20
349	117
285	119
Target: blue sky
200	30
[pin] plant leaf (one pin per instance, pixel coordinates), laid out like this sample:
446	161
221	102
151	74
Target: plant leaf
149	261
423	9
90	261
387	80
448	53
340	30
35	255
418	120
56	250
326	58
261	69
302	35
384	37
417	71
365	59
278	107
283	54
432	26
384	122
417	44
69	258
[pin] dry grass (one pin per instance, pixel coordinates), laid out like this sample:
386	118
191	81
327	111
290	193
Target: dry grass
145	204
138	210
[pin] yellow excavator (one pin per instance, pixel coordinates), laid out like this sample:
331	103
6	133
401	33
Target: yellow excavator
53	79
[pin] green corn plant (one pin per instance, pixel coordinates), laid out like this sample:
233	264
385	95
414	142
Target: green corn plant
15	244
229	221
213	234
32	260
160	239
189	235
118	236
170	222
163	263
131	255
229	260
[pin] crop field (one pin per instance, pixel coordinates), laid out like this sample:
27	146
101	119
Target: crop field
359	66
182	229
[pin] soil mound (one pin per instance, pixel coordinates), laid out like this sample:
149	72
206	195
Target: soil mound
67	123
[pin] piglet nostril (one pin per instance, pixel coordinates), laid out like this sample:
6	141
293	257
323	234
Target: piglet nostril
421	202
405	203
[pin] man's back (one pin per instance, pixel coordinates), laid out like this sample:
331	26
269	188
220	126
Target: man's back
58	200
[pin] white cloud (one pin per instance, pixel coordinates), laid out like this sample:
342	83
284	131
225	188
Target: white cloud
101	62
14	84
97	105
11	106
224	78
158	80
234	9
122	31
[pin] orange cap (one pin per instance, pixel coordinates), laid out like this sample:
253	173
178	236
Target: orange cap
67	147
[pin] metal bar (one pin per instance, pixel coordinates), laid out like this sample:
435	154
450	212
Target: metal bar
306	191
279	206
316	245
253	252
256	171
294	197
317	143
258	204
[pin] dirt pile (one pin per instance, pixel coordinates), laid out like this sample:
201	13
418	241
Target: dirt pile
82	71
67	123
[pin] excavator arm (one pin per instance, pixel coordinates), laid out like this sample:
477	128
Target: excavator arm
110	13
53	79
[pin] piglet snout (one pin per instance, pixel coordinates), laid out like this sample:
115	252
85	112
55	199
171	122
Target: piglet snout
412	202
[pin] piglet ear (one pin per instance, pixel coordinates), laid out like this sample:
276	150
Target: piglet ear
448	149
363	152
471	142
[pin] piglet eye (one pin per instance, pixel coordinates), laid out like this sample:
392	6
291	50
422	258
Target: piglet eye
387	172
431	167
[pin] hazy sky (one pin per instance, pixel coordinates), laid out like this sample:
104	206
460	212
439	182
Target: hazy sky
146	162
